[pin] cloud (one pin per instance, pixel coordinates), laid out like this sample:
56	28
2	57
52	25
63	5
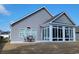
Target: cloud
3	10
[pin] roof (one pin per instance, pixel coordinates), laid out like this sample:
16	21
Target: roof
52	18
4	32
43	8
57	16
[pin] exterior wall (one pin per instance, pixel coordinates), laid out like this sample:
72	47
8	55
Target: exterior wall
63	20
33	21
77	36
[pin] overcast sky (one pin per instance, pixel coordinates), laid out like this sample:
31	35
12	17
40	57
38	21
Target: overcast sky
12	12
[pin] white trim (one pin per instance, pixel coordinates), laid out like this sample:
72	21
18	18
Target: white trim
44	33
41	33
56	17
74	37
69	33
47	33
50	32
57	33
60	15
63	33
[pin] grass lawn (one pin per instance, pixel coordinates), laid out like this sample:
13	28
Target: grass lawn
42	48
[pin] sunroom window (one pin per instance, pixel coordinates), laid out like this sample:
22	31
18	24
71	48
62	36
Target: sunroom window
57	33
45	33
68	34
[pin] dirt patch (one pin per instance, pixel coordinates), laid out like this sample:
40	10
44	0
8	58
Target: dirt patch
42	48
2	46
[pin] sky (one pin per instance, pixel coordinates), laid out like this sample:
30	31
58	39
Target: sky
10	13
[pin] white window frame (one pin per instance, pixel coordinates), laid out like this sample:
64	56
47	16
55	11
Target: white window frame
69	28
63	33
57	27
45	33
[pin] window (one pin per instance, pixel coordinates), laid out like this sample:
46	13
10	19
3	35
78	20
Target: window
71	34
60	34
57	33
54	32
48	31
45	33
68	34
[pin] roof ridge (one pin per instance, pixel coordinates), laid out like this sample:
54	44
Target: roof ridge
32	14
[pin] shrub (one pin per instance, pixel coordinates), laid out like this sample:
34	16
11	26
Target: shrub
1	37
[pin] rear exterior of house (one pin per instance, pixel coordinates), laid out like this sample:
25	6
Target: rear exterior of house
41	26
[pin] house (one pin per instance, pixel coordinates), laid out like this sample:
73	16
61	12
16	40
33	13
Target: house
77	33
5	34
41	26
0	31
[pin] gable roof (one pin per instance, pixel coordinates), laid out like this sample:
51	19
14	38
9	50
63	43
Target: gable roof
52	18
58	16
43	8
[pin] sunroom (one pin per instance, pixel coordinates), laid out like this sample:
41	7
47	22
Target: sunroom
58	30
58	33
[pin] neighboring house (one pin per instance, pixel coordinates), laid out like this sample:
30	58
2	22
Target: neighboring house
77	33
0	31
5	34
44	27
